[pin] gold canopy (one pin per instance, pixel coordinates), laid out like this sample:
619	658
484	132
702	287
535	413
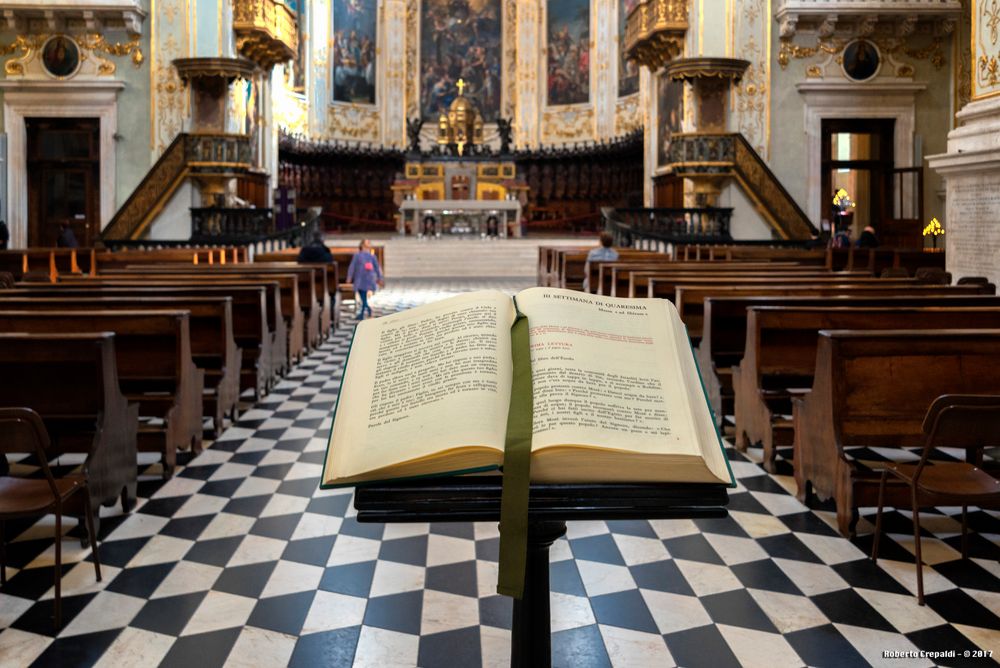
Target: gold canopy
462	124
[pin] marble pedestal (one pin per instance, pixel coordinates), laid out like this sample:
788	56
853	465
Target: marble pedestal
971	169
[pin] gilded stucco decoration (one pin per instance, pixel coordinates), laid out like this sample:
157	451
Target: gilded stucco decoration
751	39
986	51
627	116
169	40
962	57
92	47
508	102
892	49
353	122
529	72
568	123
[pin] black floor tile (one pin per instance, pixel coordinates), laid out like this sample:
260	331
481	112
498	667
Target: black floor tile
847	607
701	647
277	526
312	551
459	578
187	527
496	611
564	577
412	550
398	612
661	576
579	647
824	647
284	614
349	579
303	487
864	574
330	649
449	649
600	548
165	507
141	581
168	615
203	649
640	528
454	529
626	609
81	650
765	574
788	546
248	580
959	608
249	506
351	526
40	619
215	552
693	548
737	608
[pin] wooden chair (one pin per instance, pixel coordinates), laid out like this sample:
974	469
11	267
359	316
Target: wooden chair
22	431
953	420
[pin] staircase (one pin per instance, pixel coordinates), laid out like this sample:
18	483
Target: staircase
208	155
711	156
467	258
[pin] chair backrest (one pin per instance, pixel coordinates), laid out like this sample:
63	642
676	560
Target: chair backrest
895	272
22	431
970	421
973	280
932	275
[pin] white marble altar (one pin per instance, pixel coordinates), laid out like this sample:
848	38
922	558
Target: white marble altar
467	217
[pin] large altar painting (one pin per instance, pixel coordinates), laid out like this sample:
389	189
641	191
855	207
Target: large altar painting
569	51
354	40
628	70
460	39
669	113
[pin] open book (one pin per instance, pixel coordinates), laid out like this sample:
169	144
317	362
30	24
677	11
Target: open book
617	394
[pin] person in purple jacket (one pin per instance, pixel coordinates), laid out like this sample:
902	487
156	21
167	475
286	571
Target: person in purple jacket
366	275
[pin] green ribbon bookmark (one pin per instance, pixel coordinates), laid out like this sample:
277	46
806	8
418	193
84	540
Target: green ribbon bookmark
516	467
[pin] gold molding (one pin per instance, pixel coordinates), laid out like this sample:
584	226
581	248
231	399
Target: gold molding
932	52
655	31
95	44
266	31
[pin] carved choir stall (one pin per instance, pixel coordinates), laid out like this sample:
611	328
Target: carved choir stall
352	183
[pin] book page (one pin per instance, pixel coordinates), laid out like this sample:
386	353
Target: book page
423	381
605	374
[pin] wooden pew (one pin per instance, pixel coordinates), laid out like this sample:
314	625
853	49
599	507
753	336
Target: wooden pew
46	262
342	255
872	388
253	309
299	294
213	346
665	287
690	299
285	318
123	258
780	355
626	281
724	329
332	287
71	380
548	263
155	369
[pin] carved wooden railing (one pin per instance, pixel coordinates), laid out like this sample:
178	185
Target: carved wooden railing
646	228
713	155
188	154
228	225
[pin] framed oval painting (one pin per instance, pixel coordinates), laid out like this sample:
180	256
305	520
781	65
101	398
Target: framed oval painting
861	60
60	56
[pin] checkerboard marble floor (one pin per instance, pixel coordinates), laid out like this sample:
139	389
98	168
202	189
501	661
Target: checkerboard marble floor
240	560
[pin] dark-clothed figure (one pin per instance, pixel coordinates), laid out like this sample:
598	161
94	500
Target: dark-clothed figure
867	238
66	237
492	227
4	235
315	251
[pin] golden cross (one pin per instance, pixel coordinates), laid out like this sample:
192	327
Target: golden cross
461	84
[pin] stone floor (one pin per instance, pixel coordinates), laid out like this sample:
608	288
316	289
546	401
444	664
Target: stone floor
240	560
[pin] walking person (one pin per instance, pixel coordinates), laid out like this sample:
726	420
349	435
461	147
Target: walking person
366	275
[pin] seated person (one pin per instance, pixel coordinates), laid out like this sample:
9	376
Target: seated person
315	251
867	239
429	223
603	253
67	239
492	227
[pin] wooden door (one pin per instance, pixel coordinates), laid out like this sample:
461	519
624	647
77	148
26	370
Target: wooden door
668	191
64	167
